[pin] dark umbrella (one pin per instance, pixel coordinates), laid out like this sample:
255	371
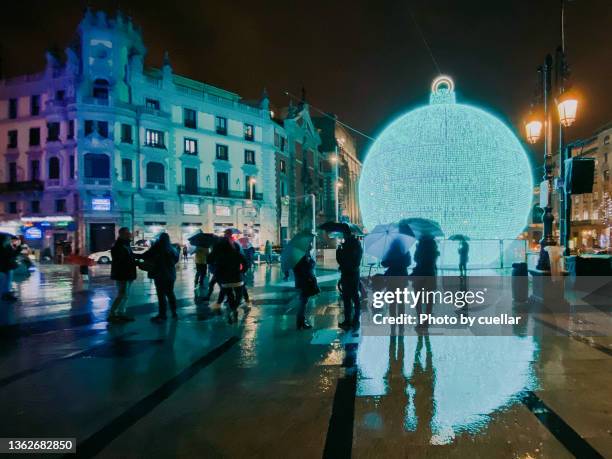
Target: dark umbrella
458	237
422	227
203	239
341	227
297	247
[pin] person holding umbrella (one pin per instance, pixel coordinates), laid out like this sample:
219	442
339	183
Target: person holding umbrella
297	256
348	256
464	251
230	264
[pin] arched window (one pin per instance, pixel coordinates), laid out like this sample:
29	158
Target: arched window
97	165
100	89
54	168
155	173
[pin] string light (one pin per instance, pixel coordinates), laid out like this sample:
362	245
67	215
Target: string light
452	163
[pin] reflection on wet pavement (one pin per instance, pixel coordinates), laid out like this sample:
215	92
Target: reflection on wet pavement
202	388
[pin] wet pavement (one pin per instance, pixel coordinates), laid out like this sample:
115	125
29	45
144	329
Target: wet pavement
199	387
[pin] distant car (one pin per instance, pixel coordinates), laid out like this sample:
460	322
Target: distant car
104	257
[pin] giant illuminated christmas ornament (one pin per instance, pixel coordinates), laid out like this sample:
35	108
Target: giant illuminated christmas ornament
452	163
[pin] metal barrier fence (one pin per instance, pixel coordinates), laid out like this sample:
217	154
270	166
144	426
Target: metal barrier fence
483	254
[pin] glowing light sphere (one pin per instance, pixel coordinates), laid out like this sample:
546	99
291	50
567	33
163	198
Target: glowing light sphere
453	163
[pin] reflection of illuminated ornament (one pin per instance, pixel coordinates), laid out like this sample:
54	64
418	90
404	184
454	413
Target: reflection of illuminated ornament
450	162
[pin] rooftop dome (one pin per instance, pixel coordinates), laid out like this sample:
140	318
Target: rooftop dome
452	163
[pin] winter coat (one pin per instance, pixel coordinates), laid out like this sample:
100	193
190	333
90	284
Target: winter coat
229	262
348	256
305	279
123	264
163	259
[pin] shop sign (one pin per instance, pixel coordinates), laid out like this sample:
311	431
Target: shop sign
33	233
101	204
191	208
223	211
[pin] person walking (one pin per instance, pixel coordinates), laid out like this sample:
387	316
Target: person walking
200	258
161	260
230	264
268	252
9	250
425	271
348	256
306	283
464	251
185	253
123	272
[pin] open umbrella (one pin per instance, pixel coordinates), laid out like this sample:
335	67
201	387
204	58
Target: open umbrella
341	227
233	230
422	227
382	237
203	239
459	237
297	247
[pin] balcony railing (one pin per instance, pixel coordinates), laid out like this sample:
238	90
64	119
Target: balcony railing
214	192
30	185
155	186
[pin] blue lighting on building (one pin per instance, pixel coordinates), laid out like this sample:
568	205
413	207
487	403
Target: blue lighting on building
452	163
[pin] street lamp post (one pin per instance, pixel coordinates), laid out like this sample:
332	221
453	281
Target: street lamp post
567	105
336	160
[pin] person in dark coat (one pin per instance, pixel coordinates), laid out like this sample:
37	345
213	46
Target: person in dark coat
396	260
424	273
9	251
348	256
123	272
161	259
230	264
306	283
464	251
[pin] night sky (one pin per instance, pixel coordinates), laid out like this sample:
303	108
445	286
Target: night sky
363	60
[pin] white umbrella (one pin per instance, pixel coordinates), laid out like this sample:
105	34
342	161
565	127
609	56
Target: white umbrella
378	242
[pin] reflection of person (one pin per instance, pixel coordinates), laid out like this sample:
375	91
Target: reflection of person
464	250
423	380
163	257
123	272
348	256
306	283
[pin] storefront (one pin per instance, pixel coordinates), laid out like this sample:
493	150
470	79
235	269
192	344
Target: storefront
52	235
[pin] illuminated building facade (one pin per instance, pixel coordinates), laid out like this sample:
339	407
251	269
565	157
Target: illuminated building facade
299	170
592	212
337	140
99	141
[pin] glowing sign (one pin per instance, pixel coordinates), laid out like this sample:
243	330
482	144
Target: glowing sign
101	204
33	233
452	163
